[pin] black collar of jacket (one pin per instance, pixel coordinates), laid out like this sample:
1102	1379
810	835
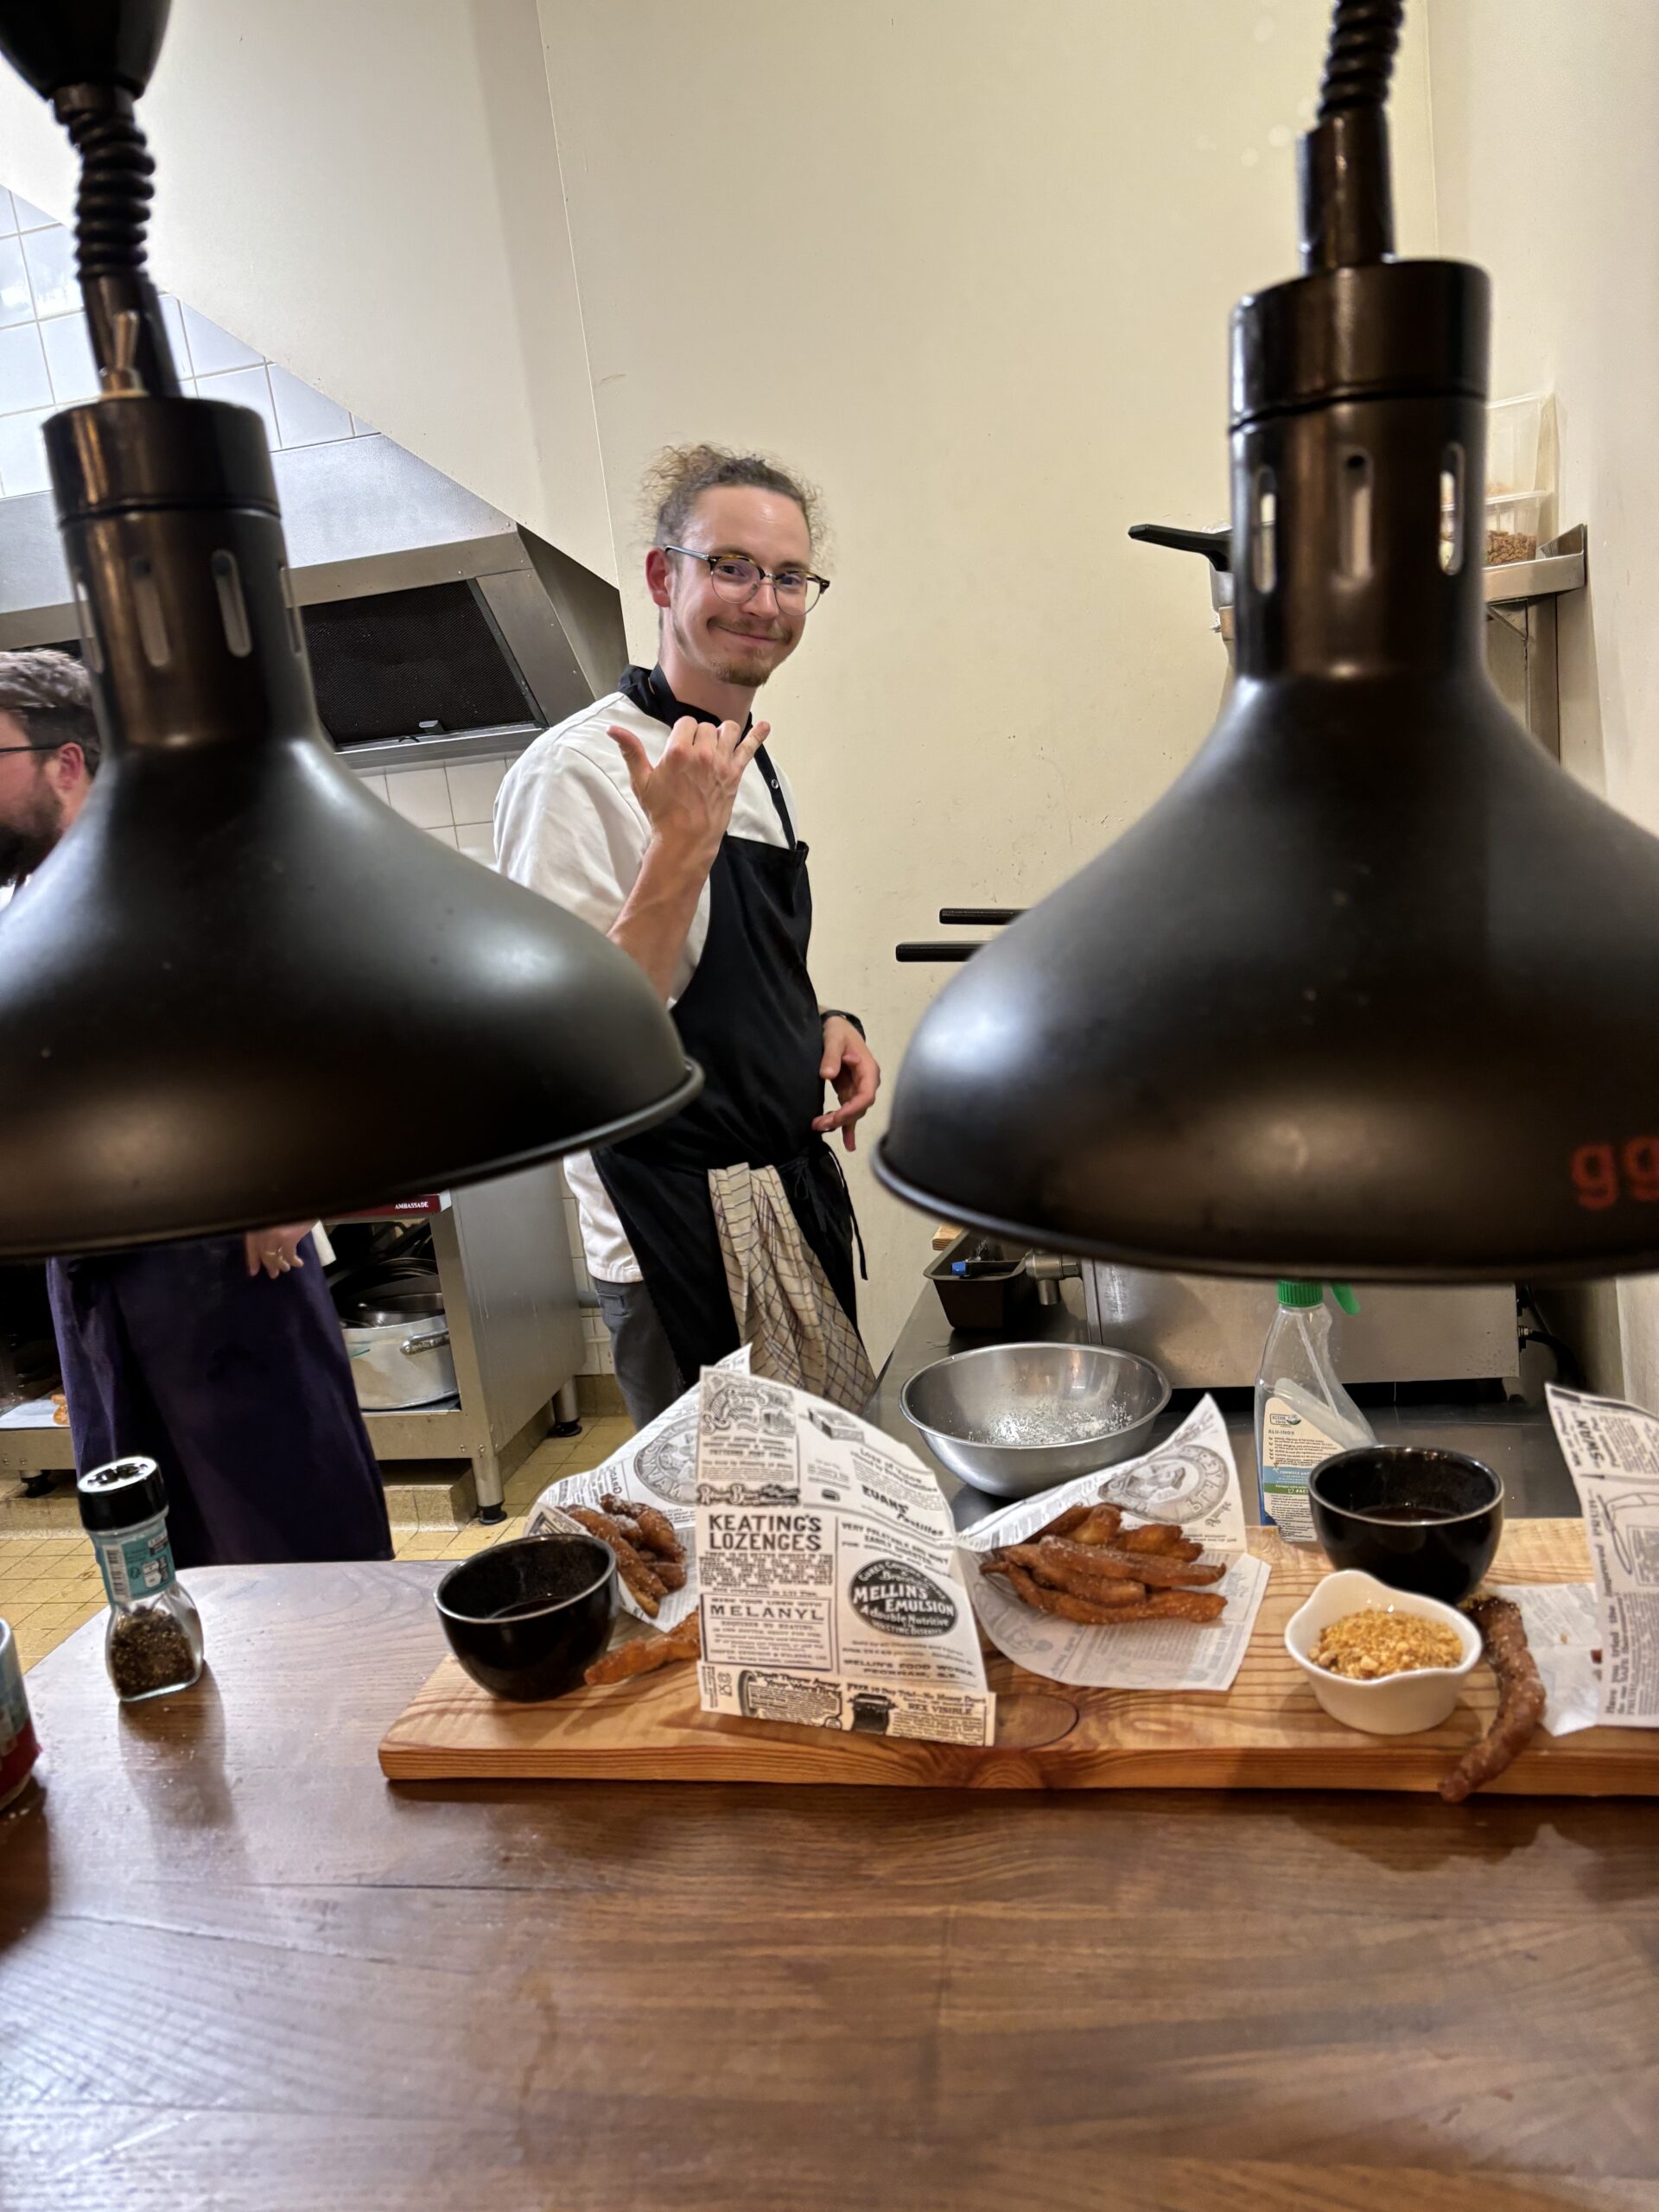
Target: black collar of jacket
647	689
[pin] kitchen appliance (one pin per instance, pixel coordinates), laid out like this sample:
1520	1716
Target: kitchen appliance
1366	995
436	627
1016	1418
236	931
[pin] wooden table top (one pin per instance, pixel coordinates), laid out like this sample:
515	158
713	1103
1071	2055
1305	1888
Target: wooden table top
240	1970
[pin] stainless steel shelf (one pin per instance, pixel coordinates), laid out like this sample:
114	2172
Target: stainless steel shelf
1559	566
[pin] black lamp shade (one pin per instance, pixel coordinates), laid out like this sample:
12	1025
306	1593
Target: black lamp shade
242	990
1370	993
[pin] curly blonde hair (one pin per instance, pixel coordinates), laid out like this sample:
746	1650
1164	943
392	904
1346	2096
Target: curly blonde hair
679	476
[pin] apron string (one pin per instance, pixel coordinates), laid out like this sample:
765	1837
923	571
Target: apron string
858	1234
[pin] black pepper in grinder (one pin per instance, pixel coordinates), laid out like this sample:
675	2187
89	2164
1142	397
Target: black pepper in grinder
153	1642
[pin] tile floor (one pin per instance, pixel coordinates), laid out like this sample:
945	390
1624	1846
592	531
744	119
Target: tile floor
50	1585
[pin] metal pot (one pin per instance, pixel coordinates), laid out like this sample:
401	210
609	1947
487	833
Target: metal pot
399	1363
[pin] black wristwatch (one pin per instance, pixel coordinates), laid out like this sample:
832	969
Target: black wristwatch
832	1013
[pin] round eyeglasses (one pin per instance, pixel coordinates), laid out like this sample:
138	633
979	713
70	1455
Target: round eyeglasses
736	577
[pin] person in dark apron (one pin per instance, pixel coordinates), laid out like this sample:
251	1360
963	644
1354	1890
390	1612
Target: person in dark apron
732	1223
222	1360
750	1018
238	1385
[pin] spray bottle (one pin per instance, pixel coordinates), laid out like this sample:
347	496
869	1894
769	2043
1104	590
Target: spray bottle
1303	1415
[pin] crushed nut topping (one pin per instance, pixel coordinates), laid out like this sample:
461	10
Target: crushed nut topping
1363	1647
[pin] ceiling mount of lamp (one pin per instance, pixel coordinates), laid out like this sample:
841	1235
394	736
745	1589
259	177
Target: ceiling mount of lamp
242	990
1369	992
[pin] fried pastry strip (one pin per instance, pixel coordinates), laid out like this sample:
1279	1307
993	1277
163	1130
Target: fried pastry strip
647	1653
1099	1525
1061	1574
658	1532
1161	1536
1061	1603
1107	1563
1519	1698
1155	1606
643	1584
1064	1524
1175	1605
652	1533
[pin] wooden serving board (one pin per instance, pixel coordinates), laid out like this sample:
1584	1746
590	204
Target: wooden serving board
1266	1733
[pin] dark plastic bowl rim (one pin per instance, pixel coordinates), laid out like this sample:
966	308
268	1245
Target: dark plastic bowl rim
1393	1520
538	1612
1038	1343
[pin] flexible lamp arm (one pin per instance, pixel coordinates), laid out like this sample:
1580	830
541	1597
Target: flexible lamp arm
91	58
1347	197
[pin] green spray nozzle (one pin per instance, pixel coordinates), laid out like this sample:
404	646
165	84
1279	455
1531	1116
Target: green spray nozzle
1295	1295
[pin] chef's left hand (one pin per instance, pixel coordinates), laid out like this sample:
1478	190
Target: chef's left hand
276	1250
848	1064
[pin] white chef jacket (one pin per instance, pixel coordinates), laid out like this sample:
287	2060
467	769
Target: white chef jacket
568	825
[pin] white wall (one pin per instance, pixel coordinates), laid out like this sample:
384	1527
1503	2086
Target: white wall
968	262
1547	166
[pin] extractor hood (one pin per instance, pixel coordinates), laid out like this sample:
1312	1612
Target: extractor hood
435	625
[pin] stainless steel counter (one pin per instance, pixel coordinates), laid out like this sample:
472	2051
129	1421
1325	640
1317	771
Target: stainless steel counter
1515	1439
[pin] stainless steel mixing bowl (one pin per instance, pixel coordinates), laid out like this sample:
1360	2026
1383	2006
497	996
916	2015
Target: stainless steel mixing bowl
968	1406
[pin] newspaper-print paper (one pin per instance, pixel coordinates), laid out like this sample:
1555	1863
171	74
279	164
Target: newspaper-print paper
1612	1452
1192	1479
1560	1618
656	1467
827	1570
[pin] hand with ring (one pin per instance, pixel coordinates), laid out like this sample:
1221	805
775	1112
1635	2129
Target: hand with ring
276	1250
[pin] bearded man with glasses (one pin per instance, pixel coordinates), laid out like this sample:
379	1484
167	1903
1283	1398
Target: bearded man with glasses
658	814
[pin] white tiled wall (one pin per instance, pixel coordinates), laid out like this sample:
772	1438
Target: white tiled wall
454	803
46	356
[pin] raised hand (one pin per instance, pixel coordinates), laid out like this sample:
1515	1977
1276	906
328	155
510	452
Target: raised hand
689	793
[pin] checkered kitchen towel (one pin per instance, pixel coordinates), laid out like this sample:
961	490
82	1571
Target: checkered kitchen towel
797	1328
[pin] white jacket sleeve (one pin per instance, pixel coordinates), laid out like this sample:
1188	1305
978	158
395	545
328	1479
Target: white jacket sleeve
564	828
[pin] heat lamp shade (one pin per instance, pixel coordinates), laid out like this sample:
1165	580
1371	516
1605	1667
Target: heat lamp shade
1369	994
243	991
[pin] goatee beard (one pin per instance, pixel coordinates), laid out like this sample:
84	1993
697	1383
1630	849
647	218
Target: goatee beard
746	675
743	675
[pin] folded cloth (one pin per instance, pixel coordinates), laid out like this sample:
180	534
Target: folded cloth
797	1328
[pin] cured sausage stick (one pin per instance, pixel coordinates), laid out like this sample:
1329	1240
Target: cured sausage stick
1519	1698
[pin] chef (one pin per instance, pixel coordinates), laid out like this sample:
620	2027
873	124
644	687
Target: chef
220	1359
659	816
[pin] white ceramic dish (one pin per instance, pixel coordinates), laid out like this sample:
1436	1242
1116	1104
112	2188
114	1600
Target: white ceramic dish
1395	1705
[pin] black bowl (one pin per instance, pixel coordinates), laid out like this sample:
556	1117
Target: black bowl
525	1618
1417	1519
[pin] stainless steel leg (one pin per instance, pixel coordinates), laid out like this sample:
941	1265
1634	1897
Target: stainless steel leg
567	1410
487	1474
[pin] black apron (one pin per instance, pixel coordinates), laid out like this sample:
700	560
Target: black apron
749	1016
239	1388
